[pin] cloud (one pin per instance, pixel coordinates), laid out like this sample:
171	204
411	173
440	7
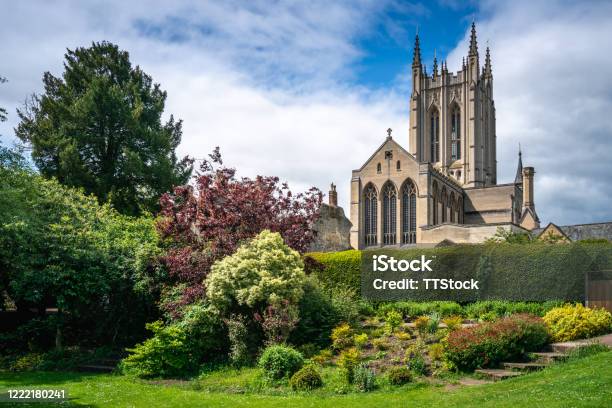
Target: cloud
274	86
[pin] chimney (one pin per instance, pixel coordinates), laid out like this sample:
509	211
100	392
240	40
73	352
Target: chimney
528	173
333	196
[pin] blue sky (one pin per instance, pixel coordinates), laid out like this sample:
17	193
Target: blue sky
305	90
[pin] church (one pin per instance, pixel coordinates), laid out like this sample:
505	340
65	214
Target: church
443	187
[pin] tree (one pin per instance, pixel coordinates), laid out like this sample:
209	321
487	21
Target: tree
99	127
61	249
208	222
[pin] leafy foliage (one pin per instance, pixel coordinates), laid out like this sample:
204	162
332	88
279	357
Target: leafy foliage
493	342
348	361
306	379
393	320
61	249
342	337
571	322
364	378
278	362
262	272
277	321
207	222
99	127
399	375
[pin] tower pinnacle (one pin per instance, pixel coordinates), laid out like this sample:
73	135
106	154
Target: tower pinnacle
416	59
435	65
519	170
487	67
473	42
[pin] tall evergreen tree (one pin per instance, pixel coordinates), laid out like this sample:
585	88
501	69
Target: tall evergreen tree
2	110
99	127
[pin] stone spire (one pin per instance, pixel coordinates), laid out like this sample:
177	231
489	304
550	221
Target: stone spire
519	170
487	67
333	196
416	59
473	42
435	65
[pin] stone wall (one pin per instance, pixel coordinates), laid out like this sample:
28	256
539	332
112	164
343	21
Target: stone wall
333	230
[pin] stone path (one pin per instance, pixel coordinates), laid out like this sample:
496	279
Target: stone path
542	359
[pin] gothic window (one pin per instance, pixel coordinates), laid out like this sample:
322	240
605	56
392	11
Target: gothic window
434	195
379	168
389	202
409	213
455	134
370	206
444	204
398	165
434	128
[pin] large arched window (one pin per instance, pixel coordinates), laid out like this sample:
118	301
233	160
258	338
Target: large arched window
444	204
434	128
370	206
434	197
409	213
455	133
389	202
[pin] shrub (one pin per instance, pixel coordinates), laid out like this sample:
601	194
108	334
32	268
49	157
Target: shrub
415	309
317	316
492	342
572	322
263	271
414	357
399	375
403	336
453	322
434	321
393	320
347	362
324	357
278	362
361	340
345	303
342	337
422	324
309	350
238	335
277	321
306	379
166	354
436	351
364	378
28	362
380	344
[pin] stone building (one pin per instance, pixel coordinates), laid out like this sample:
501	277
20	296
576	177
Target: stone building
444	186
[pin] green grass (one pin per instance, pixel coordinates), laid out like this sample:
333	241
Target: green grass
585	382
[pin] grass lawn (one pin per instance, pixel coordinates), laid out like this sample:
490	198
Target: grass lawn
581	383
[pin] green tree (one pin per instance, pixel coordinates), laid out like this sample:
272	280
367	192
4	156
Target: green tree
60	249
3	112
99	127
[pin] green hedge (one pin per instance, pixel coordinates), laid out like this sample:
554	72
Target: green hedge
531	272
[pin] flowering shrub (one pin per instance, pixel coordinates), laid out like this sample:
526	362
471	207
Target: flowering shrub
421	324
342	337
361	340
399	375
453	322
493	342
393	320
572	322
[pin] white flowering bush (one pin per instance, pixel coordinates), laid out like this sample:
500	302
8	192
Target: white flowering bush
263	271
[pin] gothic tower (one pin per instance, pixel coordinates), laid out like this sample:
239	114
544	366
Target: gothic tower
452	118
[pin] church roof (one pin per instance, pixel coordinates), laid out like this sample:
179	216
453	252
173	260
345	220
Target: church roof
583	231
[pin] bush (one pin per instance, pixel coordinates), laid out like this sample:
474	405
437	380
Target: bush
263	271
490	343
393	320
414	309
399	375
361	340
317	316
571	322
166	354
324	357
278	362
380	344
306	379
434	321
342	337
364	378
414	357
347	362
422	324
453	322
345	303
436	352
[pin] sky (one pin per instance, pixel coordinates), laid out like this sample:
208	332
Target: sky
306	90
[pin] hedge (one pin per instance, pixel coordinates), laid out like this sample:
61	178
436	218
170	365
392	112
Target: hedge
530	272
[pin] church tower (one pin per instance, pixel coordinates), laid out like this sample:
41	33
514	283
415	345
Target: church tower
452	118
